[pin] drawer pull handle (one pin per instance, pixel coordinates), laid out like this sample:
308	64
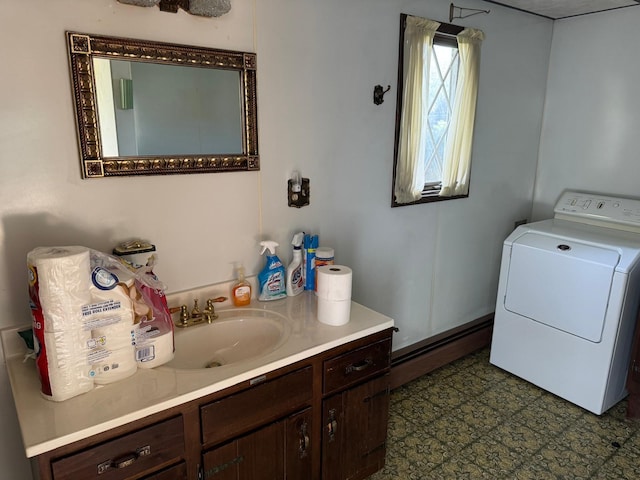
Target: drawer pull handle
304	440
332	426
360	366
124	461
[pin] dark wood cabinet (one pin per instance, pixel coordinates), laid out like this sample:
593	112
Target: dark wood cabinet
355	419
280	450
177	472
126	457
277	413
259	455
324	417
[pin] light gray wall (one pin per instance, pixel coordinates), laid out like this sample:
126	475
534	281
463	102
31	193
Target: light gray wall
431	267
590	137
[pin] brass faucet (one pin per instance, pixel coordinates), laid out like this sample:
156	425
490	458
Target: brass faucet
197	316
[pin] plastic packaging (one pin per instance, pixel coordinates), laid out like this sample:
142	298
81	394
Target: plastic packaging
94	319
309	261
295	277
241	290
324	256
153	337
271	280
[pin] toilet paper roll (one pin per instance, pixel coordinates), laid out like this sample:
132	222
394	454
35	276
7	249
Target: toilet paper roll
110	317
334	312
59	286
63	364
113	365
114	337
334	282
155	351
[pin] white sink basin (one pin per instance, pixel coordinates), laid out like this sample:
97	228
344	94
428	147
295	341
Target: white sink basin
236	335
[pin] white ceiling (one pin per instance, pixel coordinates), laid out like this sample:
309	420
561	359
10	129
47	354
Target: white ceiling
556	9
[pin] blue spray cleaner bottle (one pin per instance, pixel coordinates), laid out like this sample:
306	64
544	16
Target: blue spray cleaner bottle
271	279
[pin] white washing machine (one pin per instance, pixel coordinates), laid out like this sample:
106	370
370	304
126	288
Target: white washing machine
568	299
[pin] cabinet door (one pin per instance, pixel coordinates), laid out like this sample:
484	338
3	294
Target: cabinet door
259	456
355	431
177	472
263	454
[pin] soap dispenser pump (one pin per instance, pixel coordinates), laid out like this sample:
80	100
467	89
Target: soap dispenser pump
241	290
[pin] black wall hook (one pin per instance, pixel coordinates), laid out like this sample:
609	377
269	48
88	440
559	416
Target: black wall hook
378	94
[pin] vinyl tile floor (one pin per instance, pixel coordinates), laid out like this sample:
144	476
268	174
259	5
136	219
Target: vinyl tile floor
471	420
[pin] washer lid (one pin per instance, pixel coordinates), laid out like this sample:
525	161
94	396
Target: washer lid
562	283
626	244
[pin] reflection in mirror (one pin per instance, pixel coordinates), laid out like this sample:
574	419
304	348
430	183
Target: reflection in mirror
150	108
154	109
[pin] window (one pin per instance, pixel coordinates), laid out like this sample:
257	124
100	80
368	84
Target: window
443	76
437	78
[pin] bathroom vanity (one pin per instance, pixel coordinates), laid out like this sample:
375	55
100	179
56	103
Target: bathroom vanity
316	407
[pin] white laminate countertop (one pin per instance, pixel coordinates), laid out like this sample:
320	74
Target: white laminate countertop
46	425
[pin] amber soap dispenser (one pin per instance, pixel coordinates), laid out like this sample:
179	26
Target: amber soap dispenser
241	290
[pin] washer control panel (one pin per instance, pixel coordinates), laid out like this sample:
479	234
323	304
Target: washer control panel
598	209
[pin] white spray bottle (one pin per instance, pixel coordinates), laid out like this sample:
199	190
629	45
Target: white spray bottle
295	277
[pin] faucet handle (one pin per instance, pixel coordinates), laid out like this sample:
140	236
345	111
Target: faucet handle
184	315
210	312
216	300
211	301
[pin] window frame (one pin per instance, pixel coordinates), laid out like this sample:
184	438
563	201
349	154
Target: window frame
446	35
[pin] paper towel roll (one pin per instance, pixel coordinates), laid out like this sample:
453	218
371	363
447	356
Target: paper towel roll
155	351
334	282
113	365
58	290
334	312
59	285
63	365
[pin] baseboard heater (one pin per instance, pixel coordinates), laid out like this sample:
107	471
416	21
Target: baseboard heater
423	357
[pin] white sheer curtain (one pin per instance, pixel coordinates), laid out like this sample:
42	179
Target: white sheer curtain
418	38
457	156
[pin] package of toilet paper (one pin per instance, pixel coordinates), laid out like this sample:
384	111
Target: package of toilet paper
110	318
153	326
87	311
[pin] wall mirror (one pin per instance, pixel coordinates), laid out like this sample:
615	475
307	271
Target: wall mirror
150	108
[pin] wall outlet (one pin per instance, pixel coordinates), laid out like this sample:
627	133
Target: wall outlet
301	198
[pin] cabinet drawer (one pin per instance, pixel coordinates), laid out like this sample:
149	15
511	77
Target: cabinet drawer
126	456
352	367
177	472
261	404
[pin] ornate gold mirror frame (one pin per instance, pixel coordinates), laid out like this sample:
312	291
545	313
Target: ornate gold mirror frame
84	47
